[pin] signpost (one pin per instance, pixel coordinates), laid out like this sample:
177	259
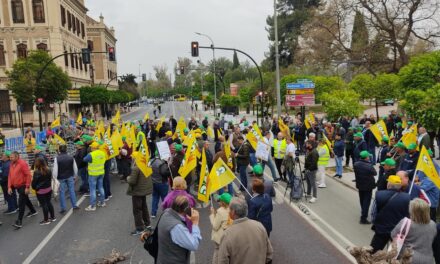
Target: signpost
301	93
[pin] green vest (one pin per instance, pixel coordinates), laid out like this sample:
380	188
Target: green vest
323	160
279	151
96	167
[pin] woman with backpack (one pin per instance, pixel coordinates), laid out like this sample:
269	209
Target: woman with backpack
160	183
41	183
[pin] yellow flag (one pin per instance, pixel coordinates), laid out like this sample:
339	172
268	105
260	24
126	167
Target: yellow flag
142	157
79	120
309	120
147	116
409	138
188	138
101	127
379	130
327	141
97	135
189	161
113	149
426	165
283	127
220	176
117	118
203	193
210	132
228	155
254	135
404	123
55	123
59	140
219	132
181	125
160	123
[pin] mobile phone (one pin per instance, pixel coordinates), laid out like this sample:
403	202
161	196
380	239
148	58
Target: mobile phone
188	211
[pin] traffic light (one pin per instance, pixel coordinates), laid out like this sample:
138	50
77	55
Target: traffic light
85	55
111	54
144	77
194	49
182	70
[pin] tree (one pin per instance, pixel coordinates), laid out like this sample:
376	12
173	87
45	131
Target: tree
359	38
185	79
91	95
52	86
163	79
246	96
339	103
325	84
362	84
422	73
128	83
235	61
229	100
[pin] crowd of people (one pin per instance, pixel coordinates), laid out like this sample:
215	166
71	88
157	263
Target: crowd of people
242	222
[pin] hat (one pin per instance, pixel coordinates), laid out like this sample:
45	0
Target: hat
364	154
351	128
430	152
389	162
94	145
385	139
37	147
258	169
206	117
246	123
156	153
79	143
7	153
124	137
410	123
399	124
400	145
185	130
358	134
168	133
394	179
412	146
384	117
86	138
100	142
225	197
178	147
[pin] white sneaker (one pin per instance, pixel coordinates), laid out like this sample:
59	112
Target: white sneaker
322	186
90	208
313	200
102	204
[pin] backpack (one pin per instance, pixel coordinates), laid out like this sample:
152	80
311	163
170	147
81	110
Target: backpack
164	171
151	243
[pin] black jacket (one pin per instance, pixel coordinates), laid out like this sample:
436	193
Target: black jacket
364	173
79	158
243	157
358	148
382	181
311	161
390	210
40	181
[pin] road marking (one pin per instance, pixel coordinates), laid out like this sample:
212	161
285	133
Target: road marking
174	109
49	236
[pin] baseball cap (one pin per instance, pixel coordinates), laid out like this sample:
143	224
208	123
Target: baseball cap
394	179
124	137
7	153
258	169
225	197
37	147
400	145
412	146
86	138
385	139
364	154
178	147
169	133
358	134
80	143
389	162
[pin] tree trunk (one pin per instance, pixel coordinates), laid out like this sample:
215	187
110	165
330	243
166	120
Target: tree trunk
377	110
46	115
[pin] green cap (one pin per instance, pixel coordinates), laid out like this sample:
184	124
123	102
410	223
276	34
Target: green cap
400	145
225	197
138	127
412	146
246	123
430	152
206	117
410	123
385	139
124	137
156	153
7	153
358	134
86	138
100	142
350	128
178	147
258	169
389	162
79	143
185	130
364	154
384	117
38	147
399	124
359	128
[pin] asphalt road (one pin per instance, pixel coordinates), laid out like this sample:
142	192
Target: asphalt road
83	237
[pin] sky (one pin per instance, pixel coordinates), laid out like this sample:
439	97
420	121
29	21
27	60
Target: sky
157	32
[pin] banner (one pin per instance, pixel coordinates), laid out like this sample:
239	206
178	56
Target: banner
263	151
410	136
117	118
164	150
59	139
379	130
283	127
181	125
227	149
160	123
254	135
189	161
55	123
142	157
79	120
426	165
220	176
309	120
210	132
112	149
147	116
204	193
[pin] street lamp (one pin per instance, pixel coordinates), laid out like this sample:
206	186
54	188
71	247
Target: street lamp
215	81
277	59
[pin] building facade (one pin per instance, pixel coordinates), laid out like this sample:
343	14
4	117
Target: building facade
57	26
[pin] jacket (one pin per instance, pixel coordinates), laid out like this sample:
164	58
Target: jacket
436	246
4	172
40	181
79	157
260	209
176	160
168	201
358	148
219	222
339	147
397	207
382	181
409	164
364	173
384	149
243	157
241	238
19	174
221	155
156	177
138	184
311	161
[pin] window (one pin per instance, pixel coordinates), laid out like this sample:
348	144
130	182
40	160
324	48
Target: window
80	63
90	45
72	60
73	24
17	11
42	46
21	51
66	59
78	28
38	11
63	16
69	22
85	67
2	55
76	61
83	32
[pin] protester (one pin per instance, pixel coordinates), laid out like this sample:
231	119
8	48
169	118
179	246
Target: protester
311	167
364	173
349	147
125	158
175	241
260	206
19	180
413	191
280	147
80	154
389	168
431	190
65	171
338	149
409	161
323	160
246	240
382	155
179	188
160	183
436	246
41	183
11	199
219	221
422	232
139	187
95	167
243	161
423	139
29	143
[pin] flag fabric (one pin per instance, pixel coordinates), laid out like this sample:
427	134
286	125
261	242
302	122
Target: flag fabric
59	140
404	123
219	132
160	123
410	136
220	176
210	132
142	157
181	125
97	135
254	135
379	130
327	142
203	193
112	147
55	123
147	116
101	127
283	127
189	161
188	138
309	120
227	149
426	165
79	120
117	118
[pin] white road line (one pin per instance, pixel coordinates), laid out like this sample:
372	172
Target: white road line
174	109
49	236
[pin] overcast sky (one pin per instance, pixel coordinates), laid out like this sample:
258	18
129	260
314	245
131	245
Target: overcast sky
156	32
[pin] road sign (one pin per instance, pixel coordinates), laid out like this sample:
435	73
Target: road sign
300	91
307	85
304	81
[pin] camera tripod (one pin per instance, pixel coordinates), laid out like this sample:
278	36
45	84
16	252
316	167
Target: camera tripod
297	173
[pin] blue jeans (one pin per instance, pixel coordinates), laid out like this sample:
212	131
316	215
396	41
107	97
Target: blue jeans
230	190
243	176
253	159
160	190
67	184
106	182
11	199
339	168
271	165
84	180
96	182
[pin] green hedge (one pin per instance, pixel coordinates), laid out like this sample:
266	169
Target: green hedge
99	95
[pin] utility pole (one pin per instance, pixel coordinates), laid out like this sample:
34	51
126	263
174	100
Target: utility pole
277	59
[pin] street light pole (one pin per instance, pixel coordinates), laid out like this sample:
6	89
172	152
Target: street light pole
277	59
215	80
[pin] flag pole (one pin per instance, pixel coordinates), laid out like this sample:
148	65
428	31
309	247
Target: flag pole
241	184
412	182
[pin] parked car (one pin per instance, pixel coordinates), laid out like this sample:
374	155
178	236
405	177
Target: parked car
387	102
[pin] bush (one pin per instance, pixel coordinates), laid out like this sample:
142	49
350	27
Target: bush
339	103
229	100
93	95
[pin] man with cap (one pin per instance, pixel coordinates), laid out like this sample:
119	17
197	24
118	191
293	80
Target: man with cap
406	186
390	207
87	140
11	199
399	153
409	162
382	154
80	154
359	146
243	160
349	146
168	137
220	221
139	137
389	168
96	159
364	173
258	173
125	159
